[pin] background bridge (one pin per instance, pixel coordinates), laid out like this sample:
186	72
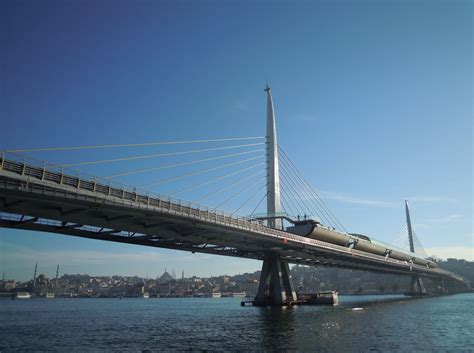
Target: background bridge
41	196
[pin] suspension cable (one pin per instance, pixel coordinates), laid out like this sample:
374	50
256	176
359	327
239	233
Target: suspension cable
228	186
292	196
215	179
160	155
401	239
296	179
248	200
283	198
284	209
290	200
418	246
404	242
138	171
331	220
318	199
311	189
258	204
133	144
311	206
239	193
398	238
198	172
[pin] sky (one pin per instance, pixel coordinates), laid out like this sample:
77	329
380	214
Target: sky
373	104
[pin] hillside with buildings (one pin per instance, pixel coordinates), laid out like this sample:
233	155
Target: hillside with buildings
306	280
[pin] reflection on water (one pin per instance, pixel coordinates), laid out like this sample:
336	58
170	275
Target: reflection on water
277	327
384	323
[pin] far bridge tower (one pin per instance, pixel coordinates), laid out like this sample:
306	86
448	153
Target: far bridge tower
417	287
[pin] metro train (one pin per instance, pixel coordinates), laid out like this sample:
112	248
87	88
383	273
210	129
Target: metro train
314	230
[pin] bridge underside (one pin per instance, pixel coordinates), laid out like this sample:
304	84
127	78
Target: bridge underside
42	210
165	233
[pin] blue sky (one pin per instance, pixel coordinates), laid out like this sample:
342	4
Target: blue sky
373	103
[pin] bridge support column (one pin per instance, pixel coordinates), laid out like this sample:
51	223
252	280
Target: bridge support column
417	287
275	287
442	286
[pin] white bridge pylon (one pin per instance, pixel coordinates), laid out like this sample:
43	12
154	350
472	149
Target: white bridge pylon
273	175
417	286
275	286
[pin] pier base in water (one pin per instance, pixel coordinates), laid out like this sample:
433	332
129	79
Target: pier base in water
320	298
275	287
417	288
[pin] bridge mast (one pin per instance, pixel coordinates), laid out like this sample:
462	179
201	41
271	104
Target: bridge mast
417	287
273	179
410	230
275	286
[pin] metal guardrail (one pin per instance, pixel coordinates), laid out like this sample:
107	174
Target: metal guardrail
44	171
125	195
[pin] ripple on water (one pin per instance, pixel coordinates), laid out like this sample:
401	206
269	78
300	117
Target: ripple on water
384	324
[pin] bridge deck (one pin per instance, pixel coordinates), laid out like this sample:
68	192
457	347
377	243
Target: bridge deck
42	197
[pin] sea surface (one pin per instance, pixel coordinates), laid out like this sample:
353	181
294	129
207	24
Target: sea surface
379	324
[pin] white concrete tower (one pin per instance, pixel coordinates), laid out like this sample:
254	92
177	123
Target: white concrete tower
409	228
273	178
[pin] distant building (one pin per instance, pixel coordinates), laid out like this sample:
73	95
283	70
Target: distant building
165	278
9	285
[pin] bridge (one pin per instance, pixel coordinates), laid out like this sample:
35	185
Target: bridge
45	197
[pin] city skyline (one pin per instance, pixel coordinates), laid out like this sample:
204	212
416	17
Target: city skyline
368	123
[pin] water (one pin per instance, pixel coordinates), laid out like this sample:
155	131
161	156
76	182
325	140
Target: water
386	323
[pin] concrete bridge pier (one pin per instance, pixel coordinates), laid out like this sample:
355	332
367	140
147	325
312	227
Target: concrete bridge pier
442	286
417	288
275	287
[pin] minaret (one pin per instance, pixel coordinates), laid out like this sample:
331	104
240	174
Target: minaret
56	284
273	179
410	230
34	276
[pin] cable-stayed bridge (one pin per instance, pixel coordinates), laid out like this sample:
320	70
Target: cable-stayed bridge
294	225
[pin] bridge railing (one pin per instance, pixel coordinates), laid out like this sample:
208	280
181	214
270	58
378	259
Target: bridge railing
34	169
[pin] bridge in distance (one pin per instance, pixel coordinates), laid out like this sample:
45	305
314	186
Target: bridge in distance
38	196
